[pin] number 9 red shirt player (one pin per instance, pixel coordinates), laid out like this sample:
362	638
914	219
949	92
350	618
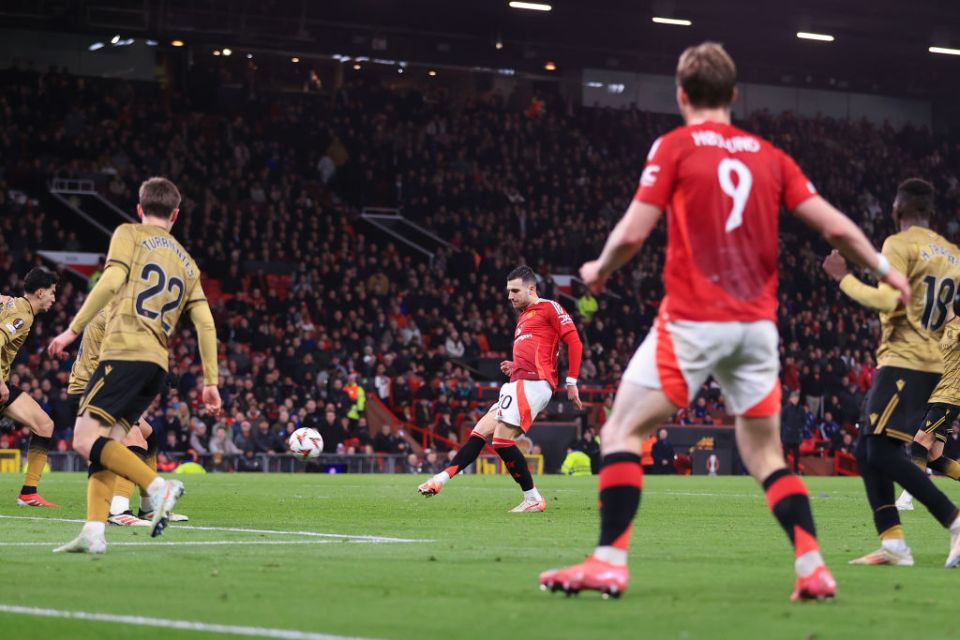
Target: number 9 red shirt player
722	189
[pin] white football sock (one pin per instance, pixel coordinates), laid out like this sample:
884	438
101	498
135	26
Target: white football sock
442	477
119	504
808	563
155	486
611	555
955	526
532	494
899	545
94	528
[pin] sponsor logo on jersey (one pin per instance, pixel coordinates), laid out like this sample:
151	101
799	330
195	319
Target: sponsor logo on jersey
523	337
11	328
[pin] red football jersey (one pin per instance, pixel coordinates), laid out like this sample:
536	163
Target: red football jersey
722	188
536	341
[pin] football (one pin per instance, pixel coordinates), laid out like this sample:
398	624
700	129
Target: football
305	443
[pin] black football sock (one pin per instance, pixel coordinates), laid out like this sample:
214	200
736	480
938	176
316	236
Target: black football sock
515	462
621	483
946	466
887	454
880	492
919	455
788	500
467	454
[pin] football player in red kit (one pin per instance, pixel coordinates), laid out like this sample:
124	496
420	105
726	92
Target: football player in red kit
541	326
722	189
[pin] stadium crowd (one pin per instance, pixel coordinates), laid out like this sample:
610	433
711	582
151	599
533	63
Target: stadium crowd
318	314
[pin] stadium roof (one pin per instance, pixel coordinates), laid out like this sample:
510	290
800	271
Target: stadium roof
879	46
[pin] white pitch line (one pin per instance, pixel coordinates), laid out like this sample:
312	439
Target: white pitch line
181	625
276	532
698	494
272	532
195	543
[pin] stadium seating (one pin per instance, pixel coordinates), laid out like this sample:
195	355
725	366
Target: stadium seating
304	293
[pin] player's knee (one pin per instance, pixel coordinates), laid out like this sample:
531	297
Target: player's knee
44	426
82	445
762	461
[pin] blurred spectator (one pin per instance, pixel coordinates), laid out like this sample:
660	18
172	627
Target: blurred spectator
413	463
244	439
589	444
663	454
843	443
332	431
265	440
249	461
701	412
199	441
221	444
357	396
829	429
792	418
577	463
431	462
388	442
587	306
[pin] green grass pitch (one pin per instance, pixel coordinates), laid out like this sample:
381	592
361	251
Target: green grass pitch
708	561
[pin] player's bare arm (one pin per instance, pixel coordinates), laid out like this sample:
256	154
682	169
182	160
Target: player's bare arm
883	298
202	319
4	390
574	355
844	235
624	242
107	286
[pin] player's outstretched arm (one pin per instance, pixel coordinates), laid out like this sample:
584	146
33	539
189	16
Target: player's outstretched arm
844	235
107	286
624	241
574	357
883	298
207	338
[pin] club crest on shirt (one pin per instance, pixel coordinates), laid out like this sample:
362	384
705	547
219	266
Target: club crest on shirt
530	314
17	324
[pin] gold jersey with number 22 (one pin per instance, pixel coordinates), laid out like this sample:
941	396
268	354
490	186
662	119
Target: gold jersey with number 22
162	282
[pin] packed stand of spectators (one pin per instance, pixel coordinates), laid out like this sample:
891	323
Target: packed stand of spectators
313	307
